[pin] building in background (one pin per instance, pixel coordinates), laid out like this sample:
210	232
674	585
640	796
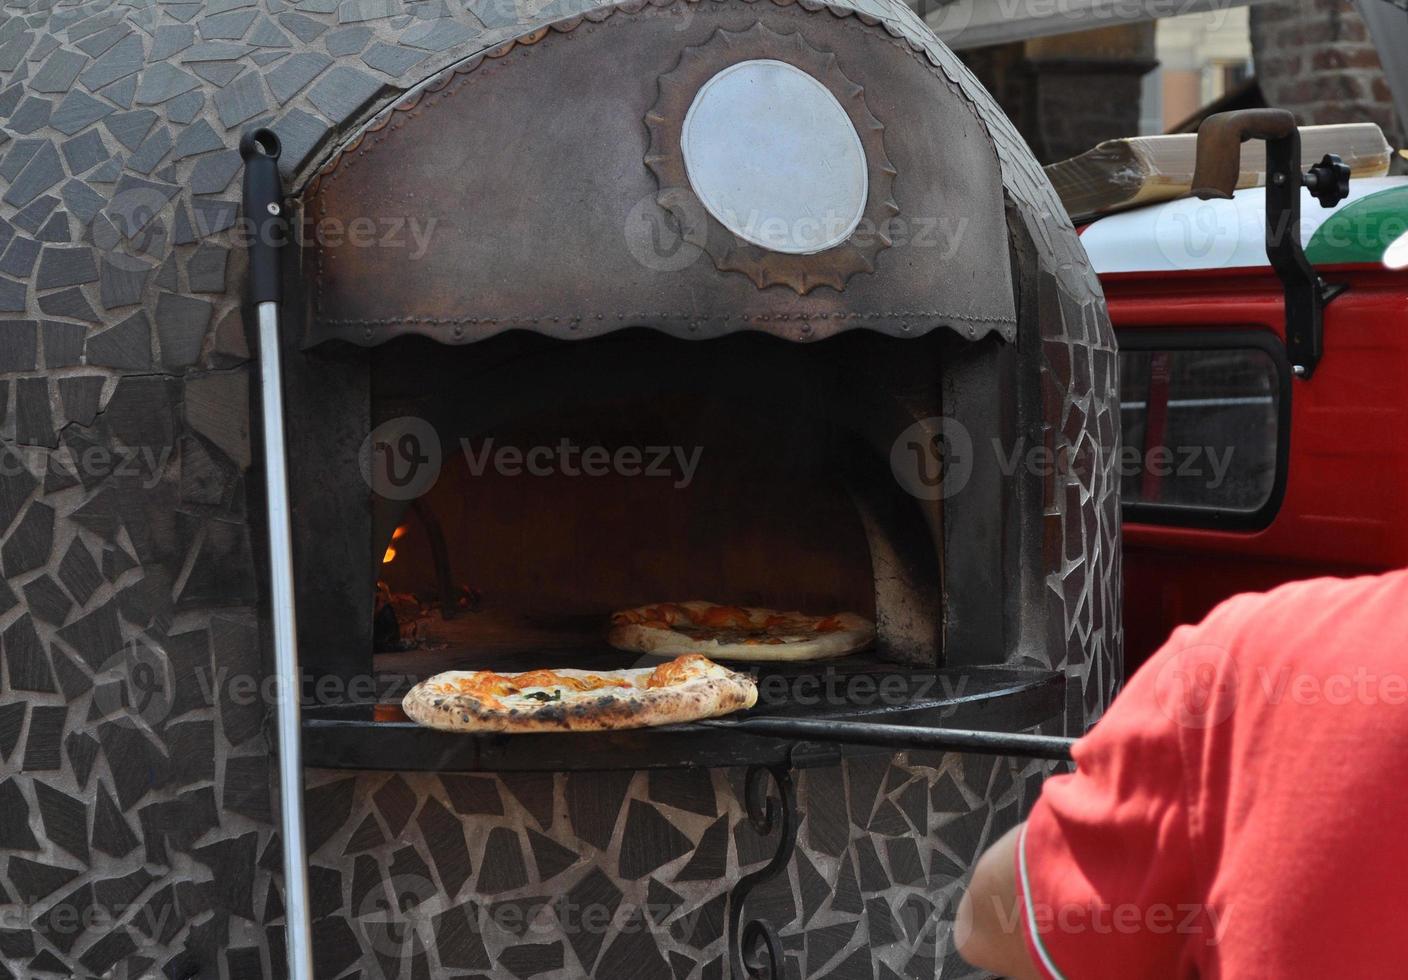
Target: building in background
1067	90
1203	58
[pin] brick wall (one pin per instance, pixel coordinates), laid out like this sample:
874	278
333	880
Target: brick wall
1315	58
1068	92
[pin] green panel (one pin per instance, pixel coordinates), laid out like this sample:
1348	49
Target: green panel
1359	232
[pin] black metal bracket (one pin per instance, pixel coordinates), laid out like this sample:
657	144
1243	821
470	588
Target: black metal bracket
1215	176
1306	293
754	949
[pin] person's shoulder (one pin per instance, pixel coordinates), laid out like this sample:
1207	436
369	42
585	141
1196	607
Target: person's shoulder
1312	611
1328	590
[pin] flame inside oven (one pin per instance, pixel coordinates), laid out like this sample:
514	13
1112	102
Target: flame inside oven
390	554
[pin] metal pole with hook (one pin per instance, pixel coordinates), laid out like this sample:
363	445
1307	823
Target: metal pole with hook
263	208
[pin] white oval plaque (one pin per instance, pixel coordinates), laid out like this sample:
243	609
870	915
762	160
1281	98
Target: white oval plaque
773	156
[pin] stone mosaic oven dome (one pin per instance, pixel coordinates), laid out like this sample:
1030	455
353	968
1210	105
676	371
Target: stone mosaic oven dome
533	174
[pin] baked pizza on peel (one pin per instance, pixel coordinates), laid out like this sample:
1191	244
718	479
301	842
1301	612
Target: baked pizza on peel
738	632
685	689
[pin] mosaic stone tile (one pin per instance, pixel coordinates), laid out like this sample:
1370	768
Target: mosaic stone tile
710	858
130	128
473	794
32	114
594	802
19	345
335	946
15	831
458	940
501	868
396	801
341	92
410	878
63	344
680	964
122	892
444	839
133	761
241	100
347	41
26	659
47	962
368	887
84	152
12	717
549	857
594	894
15	943
888	821
327	808
95	637
55	924
633	953
81	748
685	789
705	925
77	111
390	59
304	28
28	545
36	880
366	837
60	266
49	603
531	959
648	841
212	174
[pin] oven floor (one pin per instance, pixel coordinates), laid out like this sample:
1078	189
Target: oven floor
512	644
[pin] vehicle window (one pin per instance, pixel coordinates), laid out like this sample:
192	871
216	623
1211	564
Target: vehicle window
1201	431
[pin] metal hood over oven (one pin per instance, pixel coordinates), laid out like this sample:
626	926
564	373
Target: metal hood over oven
699	169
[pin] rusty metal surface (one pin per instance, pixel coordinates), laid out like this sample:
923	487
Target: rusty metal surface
530	172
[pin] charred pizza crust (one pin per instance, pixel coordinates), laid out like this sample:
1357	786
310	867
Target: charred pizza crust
723	632
686	689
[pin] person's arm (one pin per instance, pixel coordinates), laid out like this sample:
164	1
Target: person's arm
988	931
1081	889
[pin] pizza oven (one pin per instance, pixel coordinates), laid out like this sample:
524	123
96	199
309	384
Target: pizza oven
592	388
750	303
592	304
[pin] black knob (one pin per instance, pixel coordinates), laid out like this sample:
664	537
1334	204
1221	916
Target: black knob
1328	181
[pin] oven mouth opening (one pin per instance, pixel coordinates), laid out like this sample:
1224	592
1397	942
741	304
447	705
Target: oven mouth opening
577	480
775	487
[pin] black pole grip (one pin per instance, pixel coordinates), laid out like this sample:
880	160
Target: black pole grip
264	213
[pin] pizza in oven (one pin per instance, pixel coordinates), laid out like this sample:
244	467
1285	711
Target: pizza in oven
685	689
738	632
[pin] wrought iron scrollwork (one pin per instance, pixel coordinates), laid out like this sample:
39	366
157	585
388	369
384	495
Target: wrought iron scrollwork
754	950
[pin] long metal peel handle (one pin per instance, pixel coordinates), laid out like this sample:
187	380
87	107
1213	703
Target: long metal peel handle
901	737
263	202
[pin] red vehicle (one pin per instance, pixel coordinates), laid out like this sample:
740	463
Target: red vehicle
1246	462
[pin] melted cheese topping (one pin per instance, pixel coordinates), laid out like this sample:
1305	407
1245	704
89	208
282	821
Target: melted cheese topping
547	685
726	623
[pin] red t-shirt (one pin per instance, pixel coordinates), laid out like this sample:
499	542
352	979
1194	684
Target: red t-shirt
1242	808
